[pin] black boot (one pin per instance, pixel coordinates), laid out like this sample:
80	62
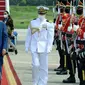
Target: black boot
62	72
70	79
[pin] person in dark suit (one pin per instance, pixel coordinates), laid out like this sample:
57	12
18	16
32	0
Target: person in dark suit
3	44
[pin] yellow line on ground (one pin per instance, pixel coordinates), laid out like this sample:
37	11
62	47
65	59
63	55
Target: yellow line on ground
9	73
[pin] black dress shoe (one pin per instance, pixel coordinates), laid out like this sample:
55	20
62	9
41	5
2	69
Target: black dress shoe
82	83
58	69
70	80
62	72
16	51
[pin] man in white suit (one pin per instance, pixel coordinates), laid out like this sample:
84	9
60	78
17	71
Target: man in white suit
40	35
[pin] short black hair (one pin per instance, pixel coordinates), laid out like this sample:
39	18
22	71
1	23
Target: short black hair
79	10
67	9
62	9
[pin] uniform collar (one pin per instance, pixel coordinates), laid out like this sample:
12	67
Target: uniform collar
42	20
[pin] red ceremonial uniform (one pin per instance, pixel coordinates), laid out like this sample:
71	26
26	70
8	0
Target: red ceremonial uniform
57	21
65	22
81	29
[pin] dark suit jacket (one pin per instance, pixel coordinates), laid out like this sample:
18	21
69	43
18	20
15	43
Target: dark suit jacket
3	37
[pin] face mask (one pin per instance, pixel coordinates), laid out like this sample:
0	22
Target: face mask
41	17
5	16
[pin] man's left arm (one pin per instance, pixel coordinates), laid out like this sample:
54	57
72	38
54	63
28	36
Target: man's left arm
4	39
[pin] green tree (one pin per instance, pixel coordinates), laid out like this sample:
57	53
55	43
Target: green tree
32	2
22	2
18	2
15	2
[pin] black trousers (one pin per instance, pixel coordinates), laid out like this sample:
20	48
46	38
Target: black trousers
60	51
61	57
65	60
81	70
70	64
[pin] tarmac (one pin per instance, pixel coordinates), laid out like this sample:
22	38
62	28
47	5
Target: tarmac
22	63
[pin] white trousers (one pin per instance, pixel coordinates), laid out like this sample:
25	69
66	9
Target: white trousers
40	68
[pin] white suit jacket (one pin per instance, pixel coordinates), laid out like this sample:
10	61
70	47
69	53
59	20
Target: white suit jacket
40	36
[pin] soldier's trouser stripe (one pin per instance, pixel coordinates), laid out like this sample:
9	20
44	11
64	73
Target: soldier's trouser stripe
83	74
64	60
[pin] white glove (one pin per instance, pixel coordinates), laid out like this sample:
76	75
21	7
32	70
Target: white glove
26	50
59	26
84	35
76	27
69	28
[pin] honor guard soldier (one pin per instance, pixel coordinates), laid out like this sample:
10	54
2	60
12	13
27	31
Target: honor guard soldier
70	63
40	35
65	24
60	70
80	44
63	29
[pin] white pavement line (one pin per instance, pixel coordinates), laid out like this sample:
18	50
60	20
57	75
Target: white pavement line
29	63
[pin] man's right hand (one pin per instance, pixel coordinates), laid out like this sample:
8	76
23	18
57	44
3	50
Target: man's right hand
26	50
3	52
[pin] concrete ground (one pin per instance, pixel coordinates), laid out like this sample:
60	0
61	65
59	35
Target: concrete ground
22	63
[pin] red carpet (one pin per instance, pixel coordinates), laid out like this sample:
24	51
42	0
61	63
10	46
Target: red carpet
4	78
9	75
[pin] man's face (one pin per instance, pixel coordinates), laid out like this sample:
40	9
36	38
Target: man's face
41	16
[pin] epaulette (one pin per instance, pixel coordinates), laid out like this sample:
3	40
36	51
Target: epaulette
47	20
50	21
34	19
